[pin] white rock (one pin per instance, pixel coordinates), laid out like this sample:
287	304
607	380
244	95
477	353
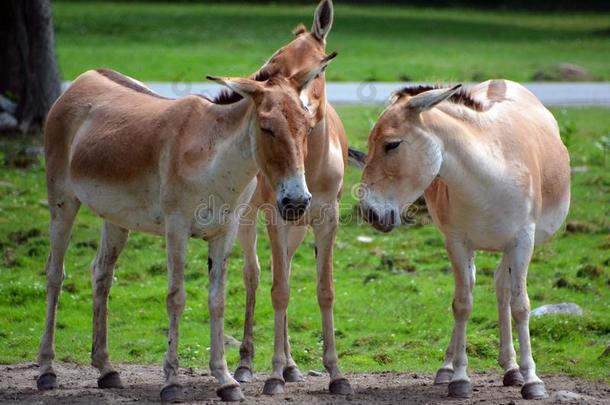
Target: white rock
570	397
7	105
315	373
563	308
364	239
7	122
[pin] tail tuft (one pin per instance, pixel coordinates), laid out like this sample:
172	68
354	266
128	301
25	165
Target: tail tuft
356	158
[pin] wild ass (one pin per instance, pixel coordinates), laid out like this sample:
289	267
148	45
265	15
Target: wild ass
496	177
178	168
324	167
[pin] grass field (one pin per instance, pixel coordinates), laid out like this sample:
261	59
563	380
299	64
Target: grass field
393	307
185	42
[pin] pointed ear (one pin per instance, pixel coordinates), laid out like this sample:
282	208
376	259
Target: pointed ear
301	80
243	87
323	20
430	99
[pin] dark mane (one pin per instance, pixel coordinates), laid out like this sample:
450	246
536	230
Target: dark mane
462	97
227	96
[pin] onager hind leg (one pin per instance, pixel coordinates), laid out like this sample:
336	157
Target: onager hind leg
508	357
518	258
251	273
462	260
63	211
112	243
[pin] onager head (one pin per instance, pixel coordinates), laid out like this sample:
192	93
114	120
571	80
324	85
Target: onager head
305	52
280	133
405	156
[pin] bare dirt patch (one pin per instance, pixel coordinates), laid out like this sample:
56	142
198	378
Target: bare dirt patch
78	386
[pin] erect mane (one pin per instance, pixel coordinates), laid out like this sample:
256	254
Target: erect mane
226	96
462	97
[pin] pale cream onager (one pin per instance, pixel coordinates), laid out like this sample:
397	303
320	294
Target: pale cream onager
178	168
496	176
324	168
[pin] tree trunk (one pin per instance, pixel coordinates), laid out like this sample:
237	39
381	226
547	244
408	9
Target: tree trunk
28	69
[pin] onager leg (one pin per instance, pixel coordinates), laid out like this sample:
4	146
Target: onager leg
219	250
176	238
291	373
63	212
251	273
462	260
445	373
518	257
280	295
508	357
325	233
112	243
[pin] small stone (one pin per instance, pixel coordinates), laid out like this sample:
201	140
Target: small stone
230	341
364	239
314	373
569	396
563	308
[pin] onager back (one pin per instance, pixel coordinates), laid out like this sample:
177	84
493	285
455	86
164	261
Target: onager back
178	168
495	176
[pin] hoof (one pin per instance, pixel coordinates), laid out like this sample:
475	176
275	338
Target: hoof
273	386
513	378
460	389
231	393
172	393
533	391
292	374
243	375
443	376
110	380
46	381
340	387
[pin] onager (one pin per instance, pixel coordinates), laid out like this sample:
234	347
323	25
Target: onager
324	168
177	168
496	177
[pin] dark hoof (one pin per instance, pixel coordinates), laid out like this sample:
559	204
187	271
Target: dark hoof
46	381
273	386
460	389
533	391
172	393
243	375
443	376
230	394
340	387
292	374
512	378
110	380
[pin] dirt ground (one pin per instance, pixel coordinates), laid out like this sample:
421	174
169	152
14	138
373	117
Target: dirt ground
78	386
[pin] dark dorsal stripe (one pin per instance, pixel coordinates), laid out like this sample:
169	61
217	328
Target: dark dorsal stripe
127	82
462	97
227	96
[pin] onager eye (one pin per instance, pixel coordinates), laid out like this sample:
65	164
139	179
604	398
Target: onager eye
390	146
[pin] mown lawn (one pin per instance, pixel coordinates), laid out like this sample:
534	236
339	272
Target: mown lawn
186	42
393	307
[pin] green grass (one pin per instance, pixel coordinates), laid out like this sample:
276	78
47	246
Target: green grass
393	306
185	42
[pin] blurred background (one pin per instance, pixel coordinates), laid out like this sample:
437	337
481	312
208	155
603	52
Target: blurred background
388	286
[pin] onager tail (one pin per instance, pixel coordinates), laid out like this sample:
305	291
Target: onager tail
356	158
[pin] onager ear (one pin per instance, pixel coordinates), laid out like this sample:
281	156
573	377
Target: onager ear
323	20
430	99
301	80
243	87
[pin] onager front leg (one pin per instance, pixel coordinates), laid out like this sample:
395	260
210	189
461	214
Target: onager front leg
325	232
462	260
111	245
219	250
177	231
518	258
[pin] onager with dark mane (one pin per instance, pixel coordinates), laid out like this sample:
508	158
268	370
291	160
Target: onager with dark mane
496	177
178	168
324	168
